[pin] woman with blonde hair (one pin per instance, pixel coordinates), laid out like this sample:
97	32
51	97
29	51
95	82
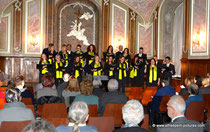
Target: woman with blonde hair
206	86
71	90
187	83
78	116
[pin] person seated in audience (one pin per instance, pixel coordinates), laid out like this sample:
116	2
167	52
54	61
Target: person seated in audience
112	97
97	87
71	90
206	86
187	83
194	97
198	81
47	94
14	109
20	83
62	86
156	100
133	114
179	123
86	87
78	116
40	86
39	126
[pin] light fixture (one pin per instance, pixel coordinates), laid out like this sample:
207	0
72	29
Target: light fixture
33	40
196	38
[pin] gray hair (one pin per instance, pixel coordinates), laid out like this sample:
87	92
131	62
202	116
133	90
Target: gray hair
78	113
112	85
97	82
39	126
133	112
57	56
178	103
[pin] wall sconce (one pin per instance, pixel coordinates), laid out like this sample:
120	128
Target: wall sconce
33	40
196	38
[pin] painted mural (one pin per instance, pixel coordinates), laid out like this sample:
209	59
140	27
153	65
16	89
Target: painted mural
199	34
146	39
3	34
4	3
119	27
144	7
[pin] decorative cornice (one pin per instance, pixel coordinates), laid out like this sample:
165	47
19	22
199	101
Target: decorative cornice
133	16
18	5
106	2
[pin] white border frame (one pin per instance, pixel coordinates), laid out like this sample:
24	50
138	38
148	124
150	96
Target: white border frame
138	40
26	27
207	34
8	33
125	37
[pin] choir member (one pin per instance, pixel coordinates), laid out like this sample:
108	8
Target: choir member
96	67
80	54
134	70
77	68
43	66
70	53
58	70
64	56
141	54
127	60
52	54
122	73
47	50
108	53
168	69
89	55
157	63
153	74
119	53
140	74
109	68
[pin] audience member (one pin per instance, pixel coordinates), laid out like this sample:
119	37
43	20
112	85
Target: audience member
71	90
14	109
133	114
62	86
179	123
198	81
206	88
194	97
112	97
86	87
187	83
39	126
20	83
78	116
97	87
40	86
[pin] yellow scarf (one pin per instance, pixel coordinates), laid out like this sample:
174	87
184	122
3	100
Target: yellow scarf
44	71
120	71
76	71
97	73
111	73
66	58
154	77
133	72
59	74
81	60
92	54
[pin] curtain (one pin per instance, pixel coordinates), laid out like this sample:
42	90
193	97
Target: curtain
178	39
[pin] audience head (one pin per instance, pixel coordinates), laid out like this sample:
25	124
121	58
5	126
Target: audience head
48	80
91	48
193	89
39	126
198	81
141	49
78	114
120	48
126	50
165	81
13	95
86	87
73	84
112	85
188	81
133	112
66	77
206	81
68	47
167	59
97	82
19	82
176	106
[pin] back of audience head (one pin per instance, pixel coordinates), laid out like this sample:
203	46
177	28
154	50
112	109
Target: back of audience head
66	77
97	82
112	85
78	114
193	89
188	81
19	81
73	84
13	95
86	87
48	80
198	81
206	81
133	112
176	106
165	81
39	126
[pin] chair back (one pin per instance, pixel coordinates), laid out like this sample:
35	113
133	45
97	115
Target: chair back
56	110
145	123
150	91
114	110
13	126
93	110
195	111
58	121
103	124
185	96
163	103
32	109
31	89
135	93
27	101
206	98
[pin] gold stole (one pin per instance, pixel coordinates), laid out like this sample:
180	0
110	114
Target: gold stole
155	74
120	71
59	74
97	72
